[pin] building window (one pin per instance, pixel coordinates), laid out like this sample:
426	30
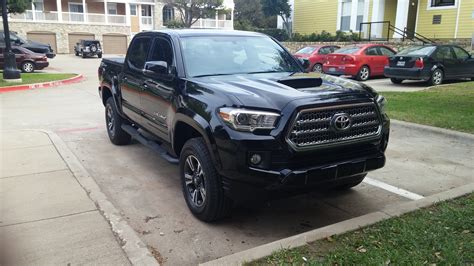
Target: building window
146	11
133	9
439	3
168	14
112	8
346	15
360	13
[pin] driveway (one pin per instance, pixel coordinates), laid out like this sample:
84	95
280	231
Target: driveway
147	191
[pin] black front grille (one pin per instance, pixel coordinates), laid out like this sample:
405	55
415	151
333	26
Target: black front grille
313	127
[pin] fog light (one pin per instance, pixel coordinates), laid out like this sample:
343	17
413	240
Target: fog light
255	159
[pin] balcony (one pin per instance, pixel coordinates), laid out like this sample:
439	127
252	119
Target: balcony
207	23
70	17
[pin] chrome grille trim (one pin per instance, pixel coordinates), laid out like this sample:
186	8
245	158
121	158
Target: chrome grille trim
311	128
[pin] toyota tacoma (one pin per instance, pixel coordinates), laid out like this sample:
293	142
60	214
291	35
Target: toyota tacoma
239	115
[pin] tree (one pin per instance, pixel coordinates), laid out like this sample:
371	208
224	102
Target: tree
17	6
192	10
248	15
279	8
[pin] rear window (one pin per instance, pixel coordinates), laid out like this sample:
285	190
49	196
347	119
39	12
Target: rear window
348	50
417	51
306	50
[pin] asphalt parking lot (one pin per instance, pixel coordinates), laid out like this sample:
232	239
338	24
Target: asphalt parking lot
147	191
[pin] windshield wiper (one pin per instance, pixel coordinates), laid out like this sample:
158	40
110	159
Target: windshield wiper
210	75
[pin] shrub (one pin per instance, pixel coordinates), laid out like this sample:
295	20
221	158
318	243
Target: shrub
175	24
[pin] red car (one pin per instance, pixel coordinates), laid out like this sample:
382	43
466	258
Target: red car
360	61
317	55
26	60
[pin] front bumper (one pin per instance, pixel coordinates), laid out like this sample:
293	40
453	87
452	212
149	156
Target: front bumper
50	55
283	169
41	64
407	73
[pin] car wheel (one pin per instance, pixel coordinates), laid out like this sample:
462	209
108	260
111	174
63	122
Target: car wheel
201	184
364	73
396	81
437	77
357	180
318	68
99	55
28	67
114	123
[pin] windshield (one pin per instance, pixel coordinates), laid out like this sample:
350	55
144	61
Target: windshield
226	55
417	50
348	50
306	50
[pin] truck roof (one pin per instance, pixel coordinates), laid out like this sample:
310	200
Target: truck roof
203	32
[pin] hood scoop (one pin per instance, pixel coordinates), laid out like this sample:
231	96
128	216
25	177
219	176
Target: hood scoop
302	80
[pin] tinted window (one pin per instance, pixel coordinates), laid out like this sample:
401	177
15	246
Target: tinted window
16	51
139	52
417	50
460	53
162	51
306	50
386	51
334	48
348	50
325	50
444	52
371	51
214	55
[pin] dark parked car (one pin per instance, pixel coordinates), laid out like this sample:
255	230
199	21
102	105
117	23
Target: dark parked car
87	48
432	63
238	114
26	60
359	61
316	55
36	47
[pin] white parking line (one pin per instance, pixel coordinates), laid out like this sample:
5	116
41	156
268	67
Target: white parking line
396	190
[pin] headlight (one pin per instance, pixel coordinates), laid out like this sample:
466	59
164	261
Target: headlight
248	120
381	102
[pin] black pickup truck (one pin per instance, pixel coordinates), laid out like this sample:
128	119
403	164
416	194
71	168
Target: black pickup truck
241	117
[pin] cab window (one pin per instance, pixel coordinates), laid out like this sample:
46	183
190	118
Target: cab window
444	52
140	49
162	51
460	53
371	51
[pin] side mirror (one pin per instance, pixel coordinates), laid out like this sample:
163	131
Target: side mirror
153	68
304	62
18	42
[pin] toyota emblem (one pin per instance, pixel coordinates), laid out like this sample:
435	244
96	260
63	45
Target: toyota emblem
341	122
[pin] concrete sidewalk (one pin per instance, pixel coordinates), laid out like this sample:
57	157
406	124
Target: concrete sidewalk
46	217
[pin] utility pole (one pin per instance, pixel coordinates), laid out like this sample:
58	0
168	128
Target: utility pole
10	72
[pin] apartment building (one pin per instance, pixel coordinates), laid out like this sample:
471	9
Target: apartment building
62	23
436	19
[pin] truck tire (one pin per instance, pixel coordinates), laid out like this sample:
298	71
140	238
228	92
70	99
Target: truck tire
114	122
201	184
357	180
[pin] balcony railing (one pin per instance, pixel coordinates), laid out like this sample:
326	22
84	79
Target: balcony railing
213	23
70	17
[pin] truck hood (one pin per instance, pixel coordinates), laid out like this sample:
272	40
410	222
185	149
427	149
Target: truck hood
276	90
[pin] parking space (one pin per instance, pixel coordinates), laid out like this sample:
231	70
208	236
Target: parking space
146	189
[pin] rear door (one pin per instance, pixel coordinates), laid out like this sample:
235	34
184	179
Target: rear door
132	79
445	55
158	91
465	66
374	60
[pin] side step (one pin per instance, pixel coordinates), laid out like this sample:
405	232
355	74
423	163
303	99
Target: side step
150	144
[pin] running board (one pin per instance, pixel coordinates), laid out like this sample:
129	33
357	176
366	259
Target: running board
150	144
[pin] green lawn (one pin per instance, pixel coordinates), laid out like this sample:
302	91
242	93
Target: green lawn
450	106
30	78
441	234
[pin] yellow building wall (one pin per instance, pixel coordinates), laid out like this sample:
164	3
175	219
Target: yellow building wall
390	11
466	21
315	16
425	21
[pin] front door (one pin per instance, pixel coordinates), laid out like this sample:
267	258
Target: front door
445	54
158	93
465	66
132	79
375	60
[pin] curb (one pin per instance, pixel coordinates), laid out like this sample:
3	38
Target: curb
435	130
339	228
42	85
135	250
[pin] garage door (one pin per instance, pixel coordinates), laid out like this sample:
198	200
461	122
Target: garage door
43	37
73	38
115	44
